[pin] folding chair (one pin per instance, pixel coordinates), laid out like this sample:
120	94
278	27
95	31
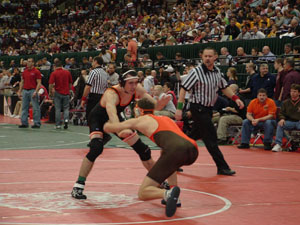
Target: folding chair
235	133
293	139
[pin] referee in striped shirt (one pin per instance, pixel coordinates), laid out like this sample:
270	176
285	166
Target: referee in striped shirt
95	86
205	81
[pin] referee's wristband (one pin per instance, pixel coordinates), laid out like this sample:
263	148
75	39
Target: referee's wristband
180	105
83	98
234	97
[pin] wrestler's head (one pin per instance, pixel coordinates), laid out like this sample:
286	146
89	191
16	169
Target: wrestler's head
145	106
129	81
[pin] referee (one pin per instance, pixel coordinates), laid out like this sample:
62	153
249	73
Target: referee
95	86
204	81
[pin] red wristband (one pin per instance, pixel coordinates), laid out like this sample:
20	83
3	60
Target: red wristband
83	98
234	97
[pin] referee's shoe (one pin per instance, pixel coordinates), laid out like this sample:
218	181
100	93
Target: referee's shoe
227	172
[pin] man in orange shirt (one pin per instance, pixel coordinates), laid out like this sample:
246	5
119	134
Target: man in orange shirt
132	48
261	113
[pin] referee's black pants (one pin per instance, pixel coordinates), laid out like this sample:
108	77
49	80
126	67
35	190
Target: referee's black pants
93	100
203	128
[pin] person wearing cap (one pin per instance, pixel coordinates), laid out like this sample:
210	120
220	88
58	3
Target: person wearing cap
113	102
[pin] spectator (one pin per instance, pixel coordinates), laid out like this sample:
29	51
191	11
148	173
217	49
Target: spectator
266	55
289	116
241	56
132	48
167	88
141	77
254	55
232	115
29	87
261	113
292	77
232	76
278	66
245	34
232	30
85	64
256	34
263	80
288	50
149	81
225	58
79	85
246	92
61	80
169	108
295	27
113	76
146	62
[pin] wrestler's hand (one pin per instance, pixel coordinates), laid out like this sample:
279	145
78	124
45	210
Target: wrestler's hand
125	133
162	102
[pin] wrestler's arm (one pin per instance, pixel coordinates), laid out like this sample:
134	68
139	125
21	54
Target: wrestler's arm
110	100
117	127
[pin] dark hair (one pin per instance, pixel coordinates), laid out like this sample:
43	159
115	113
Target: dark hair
297	48
168	84
210	48
295	87
279	60
290	62
146	104
99	60
58	63
262	90
122	77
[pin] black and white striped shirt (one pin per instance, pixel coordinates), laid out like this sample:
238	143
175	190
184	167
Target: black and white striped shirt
97	80
204	84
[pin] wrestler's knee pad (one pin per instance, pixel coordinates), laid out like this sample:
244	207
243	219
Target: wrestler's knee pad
96	148
142	150
138	146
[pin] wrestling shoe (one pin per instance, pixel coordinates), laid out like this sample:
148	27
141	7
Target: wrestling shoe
178	204
77	191
165	185
171	198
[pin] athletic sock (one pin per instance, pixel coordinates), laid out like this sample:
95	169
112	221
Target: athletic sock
81	180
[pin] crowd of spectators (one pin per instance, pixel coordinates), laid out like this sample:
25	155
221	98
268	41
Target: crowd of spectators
35	27
109	25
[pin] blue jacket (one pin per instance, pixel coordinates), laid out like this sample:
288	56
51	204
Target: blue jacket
267	82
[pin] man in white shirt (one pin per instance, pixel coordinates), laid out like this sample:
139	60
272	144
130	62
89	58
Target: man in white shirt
149	82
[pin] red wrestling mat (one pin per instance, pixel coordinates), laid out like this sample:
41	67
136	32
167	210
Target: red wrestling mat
35	188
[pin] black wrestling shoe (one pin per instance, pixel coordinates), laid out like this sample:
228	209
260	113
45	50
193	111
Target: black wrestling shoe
180	170
171	200
165	185
227	172
35	126
178	204
77	191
